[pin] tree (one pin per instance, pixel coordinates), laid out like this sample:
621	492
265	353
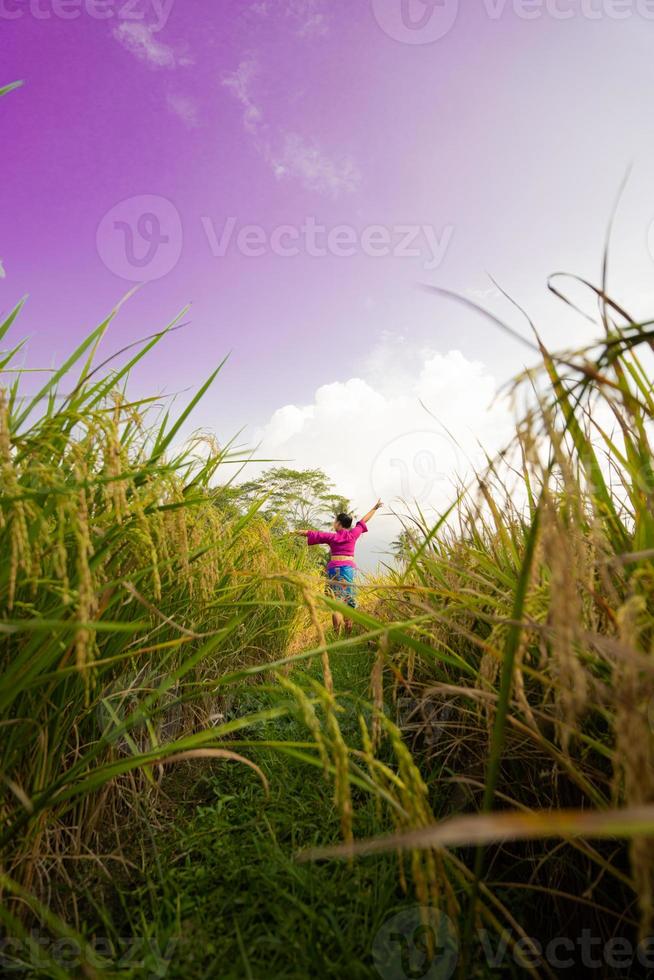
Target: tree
404	546
295	498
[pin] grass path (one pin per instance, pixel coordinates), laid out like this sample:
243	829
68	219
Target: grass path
229	882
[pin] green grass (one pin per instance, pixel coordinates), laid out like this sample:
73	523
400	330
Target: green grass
136	609
223	884
228	884
144	621
277	917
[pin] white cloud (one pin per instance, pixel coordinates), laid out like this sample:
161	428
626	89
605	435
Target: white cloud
185	108
483	295
317	171
288	154
140	40
373	437
310	17
239	83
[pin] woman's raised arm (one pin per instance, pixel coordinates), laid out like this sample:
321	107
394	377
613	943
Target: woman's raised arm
371	513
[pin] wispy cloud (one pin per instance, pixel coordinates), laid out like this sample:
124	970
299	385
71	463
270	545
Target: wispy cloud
289	154
317	171
397	449
140	40
185	108
310	18
239	83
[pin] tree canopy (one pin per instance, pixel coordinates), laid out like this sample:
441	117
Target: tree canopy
296	499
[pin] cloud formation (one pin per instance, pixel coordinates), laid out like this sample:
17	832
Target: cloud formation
296	158
185	108
139	39
311	18
407	432
288	154
239	83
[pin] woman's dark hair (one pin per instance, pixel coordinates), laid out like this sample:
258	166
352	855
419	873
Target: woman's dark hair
344	520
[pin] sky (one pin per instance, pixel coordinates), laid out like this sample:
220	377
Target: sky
294	172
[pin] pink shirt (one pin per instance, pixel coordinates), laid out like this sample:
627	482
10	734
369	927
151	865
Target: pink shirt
341	543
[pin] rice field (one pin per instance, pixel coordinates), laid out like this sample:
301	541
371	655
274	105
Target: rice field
463	788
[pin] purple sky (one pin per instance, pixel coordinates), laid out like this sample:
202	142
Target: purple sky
507	138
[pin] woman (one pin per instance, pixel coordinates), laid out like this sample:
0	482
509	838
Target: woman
341	568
